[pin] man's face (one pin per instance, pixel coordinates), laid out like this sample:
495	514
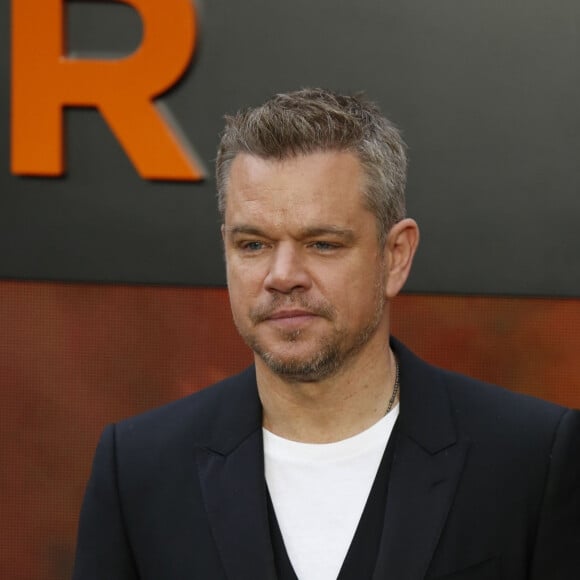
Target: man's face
306	273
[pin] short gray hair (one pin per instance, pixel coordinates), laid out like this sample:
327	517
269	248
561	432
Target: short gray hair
312	120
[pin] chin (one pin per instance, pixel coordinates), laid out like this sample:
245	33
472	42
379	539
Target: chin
301	365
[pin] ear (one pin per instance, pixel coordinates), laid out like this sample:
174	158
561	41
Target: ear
400	247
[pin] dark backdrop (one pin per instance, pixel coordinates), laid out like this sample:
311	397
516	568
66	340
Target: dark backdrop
486	93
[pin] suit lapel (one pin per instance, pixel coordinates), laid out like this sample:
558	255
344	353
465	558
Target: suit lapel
231	473
421	491
428	461
429	458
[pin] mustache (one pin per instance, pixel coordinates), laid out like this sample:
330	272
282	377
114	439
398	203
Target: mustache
265	311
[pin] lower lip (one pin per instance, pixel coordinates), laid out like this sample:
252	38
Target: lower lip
292	321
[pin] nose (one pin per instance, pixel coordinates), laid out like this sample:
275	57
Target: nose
287	272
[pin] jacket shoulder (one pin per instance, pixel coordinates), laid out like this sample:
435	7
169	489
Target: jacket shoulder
477	409
231	404
495	405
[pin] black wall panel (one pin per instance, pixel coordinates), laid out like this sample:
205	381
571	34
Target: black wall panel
486	93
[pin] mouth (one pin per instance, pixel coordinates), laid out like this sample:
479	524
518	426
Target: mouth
291	318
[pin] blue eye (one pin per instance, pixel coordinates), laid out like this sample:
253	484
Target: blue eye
252	246
324	246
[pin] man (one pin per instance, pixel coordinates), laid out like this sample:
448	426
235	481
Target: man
306	465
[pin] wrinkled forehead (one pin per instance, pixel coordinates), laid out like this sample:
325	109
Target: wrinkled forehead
319	190
321	172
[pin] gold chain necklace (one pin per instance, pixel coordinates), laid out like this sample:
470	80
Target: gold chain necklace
395	387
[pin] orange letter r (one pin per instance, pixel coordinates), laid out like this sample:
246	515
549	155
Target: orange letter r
45	80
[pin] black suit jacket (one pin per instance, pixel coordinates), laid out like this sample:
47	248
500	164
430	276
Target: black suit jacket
485	484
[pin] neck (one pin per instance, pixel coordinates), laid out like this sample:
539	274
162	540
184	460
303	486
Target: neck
338	407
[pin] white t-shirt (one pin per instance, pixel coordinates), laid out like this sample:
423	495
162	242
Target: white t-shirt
319	492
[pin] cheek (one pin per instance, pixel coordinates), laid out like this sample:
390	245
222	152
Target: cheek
242	283
358	299
243	291
242	271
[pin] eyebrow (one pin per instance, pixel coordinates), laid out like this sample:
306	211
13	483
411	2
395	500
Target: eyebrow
312	232
345	233
241	229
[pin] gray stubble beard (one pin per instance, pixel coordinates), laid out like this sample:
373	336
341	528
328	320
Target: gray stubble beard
330	356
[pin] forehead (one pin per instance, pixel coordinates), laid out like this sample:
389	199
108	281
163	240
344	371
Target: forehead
322	185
